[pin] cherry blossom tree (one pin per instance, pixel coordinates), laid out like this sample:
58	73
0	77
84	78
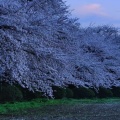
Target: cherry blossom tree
41	47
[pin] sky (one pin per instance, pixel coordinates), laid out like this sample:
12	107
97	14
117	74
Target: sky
96	12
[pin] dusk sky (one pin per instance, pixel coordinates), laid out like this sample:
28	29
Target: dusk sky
96	12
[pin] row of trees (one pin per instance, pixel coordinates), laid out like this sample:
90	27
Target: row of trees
41	47
12	93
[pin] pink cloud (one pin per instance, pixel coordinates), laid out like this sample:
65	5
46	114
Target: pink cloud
91	9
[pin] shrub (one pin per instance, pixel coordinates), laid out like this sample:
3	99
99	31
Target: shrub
10	93
83	92
70	86
69	93
38	94
104	93
76	93
59	93
95	92
29	95
116	91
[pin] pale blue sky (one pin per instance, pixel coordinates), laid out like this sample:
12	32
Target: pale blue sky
97	12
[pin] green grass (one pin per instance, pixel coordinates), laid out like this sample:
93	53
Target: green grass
18	107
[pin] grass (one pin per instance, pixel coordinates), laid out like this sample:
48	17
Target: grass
18	107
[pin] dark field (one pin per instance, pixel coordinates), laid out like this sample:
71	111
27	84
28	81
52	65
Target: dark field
98	111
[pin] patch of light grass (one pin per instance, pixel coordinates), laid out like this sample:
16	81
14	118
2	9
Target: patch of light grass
37	103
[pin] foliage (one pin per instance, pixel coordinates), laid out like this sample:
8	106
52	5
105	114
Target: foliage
68	93
10	93
83	92
38	94
59	93
29	95
116	91
105	93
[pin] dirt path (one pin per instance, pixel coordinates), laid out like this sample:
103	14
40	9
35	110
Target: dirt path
71	112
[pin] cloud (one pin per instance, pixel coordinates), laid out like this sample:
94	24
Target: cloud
89	9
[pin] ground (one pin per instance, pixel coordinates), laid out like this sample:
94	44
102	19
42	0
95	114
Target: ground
70	112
